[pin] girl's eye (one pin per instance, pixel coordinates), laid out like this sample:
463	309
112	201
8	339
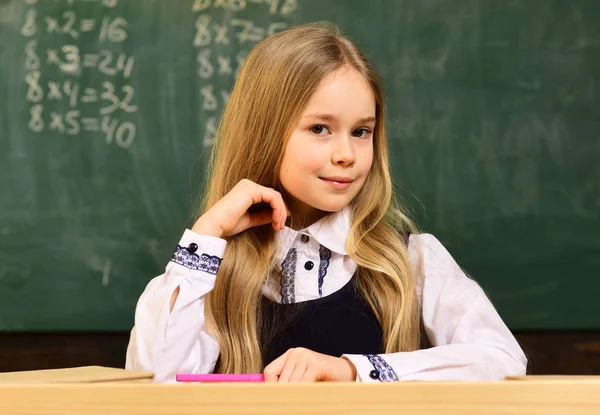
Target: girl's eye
319	130
361	133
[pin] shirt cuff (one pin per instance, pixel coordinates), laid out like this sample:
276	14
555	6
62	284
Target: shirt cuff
372	368
199	252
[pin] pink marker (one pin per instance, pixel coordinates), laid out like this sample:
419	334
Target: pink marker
255	377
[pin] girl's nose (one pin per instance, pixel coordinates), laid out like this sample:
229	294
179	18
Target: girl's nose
343	152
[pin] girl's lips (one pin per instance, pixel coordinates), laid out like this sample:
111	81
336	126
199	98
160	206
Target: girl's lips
336	184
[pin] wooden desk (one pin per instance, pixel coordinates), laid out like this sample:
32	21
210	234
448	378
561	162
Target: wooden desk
547	397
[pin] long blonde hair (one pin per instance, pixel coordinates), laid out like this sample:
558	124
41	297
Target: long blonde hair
272	90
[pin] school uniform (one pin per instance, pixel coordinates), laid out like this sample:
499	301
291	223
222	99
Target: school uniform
468	338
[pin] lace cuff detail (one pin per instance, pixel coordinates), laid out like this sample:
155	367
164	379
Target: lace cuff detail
383	371
191	260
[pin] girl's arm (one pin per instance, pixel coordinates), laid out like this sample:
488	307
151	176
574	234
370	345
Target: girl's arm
169	335
471	342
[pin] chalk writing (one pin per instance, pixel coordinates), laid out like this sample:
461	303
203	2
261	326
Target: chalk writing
223	41
80	107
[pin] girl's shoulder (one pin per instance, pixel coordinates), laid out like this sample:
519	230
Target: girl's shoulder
433	263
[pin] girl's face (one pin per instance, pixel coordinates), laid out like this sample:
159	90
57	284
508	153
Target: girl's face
330	151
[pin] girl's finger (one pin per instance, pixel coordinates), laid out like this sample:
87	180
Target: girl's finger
279	213
260	218
286	372
310	375
298	372
274	368
284	212
271	197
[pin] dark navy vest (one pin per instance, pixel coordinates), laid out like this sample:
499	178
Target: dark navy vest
340	323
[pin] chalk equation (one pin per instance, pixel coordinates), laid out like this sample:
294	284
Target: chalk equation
101	108
216	35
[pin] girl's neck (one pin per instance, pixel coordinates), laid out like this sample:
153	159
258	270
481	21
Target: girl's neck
302	214
303	217
297	223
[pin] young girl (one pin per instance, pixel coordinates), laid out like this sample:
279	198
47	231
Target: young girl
340	286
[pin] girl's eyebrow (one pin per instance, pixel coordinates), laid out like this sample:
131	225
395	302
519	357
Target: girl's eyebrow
329	117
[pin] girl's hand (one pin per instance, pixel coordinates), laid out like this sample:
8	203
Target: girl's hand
230	215
303	365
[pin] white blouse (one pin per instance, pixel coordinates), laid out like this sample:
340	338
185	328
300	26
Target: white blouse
471	342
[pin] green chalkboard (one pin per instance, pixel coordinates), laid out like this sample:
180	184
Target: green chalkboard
108	109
